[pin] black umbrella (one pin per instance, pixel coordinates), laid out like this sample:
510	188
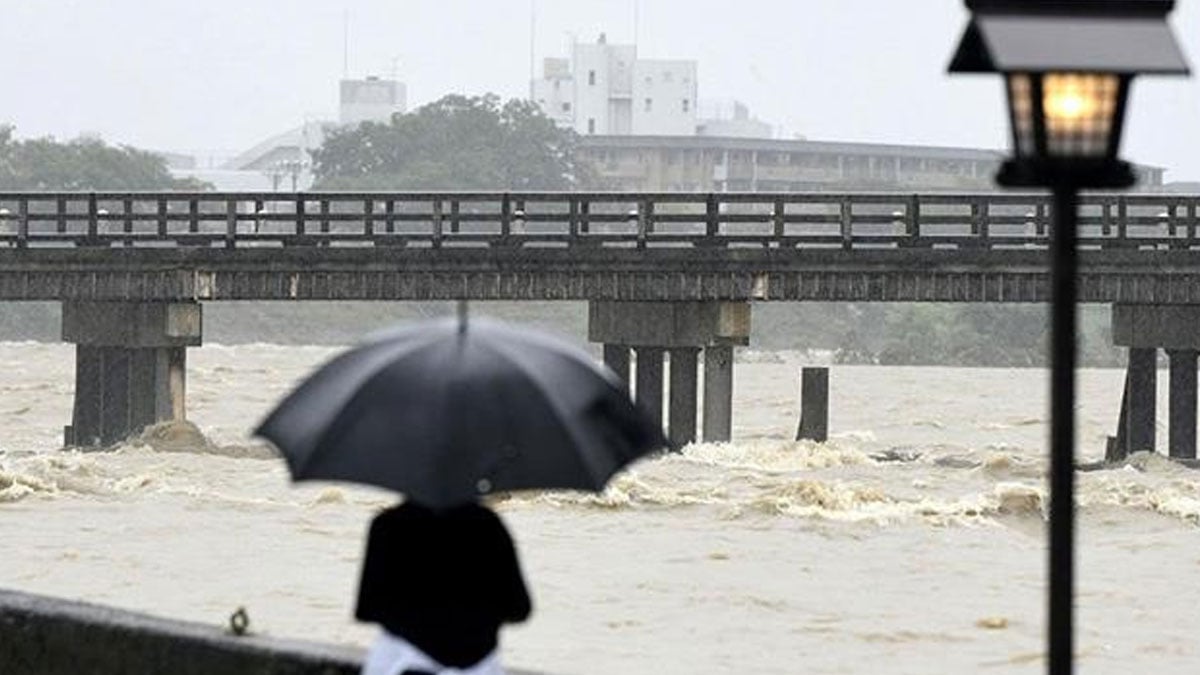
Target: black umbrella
446	411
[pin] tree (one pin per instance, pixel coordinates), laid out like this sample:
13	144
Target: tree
457	142
81	164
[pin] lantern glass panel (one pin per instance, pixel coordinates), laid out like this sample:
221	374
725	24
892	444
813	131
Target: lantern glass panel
1020	102
1079	110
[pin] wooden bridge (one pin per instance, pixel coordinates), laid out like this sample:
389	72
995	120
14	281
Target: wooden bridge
664	274
586	246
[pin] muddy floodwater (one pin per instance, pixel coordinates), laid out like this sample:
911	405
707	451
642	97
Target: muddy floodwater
911	542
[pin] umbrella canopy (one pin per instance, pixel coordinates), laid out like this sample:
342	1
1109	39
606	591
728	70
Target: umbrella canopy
447	411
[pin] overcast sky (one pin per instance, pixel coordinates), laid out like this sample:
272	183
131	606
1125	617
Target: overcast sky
218	76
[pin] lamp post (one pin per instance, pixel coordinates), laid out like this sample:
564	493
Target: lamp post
1067	65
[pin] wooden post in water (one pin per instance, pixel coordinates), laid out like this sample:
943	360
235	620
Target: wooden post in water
1116	448
1143	383
616	357
718	393
177	383
814	405
1182	432
682	405
649	374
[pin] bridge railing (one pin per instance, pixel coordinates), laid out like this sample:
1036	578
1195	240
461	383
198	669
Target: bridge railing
493	219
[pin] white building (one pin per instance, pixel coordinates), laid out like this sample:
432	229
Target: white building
607	90
370	100
283	159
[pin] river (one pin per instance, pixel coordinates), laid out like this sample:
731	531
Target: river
911	542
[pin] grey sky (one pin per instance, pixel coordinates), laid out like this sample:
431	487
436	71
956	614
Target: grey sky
217	76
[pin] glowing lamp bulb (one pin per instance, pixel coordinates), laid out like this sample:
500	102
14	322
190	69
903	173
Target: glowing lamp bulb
1072	97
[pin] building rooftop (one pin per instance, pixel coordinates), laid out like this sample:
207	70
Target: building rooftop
791	145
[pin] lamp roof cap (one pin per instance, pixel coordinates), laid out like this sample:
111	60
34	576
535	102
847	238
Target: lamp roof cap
1116	36
1074	7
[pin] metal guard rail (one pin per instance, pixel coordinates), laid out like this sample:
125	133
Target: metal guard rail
569	219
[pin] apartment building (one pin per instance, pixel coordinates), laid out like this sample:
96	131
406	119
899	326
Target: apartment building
605	89
730	164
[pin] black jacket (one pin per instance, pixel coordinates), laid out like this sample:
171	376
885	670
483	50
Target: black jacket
443	580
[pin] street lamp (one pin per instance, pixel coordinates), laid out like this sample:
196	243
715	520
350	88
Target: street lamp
1067	66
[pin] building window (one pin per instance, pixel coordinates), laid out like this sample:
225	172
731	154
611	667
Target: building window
591	78
687	105
591	125
566	106
649	104
668	76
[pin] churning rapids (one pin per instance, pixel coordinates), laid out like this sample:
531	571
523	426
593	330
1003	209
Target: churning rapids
911	542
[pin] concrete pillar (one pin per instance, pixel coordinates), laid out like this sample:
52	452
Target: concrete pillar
1116	448
130	361
1145	329
682	395
718	393
1143	387
616	357
1182	432
85	416
650	380
176	358
683	328
814	405
669	324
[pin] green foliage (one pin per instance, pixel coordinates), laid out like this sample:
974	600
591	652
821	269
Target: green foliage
986	335
81	164
955	334
456	143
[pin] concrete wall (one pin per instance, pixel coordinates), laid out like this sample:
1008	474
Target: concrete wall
48	636
40	635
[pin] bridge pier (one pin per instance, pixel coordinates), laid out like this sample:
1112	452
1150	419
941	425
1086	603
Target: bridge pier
649	388
1145	329
718	379
1182	439
681	330
683	388
130	366
616	357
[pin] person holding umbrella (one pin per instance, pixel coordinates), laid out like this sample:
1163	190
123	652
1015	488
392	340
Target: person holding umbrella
440	582
447	413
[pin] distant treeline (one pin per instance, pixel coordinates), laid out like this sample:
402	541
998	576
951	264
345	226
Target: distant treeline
81	164
891	334
930	333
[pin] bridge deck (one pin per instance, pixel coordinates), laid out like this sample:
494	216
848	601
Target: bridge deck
615	246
